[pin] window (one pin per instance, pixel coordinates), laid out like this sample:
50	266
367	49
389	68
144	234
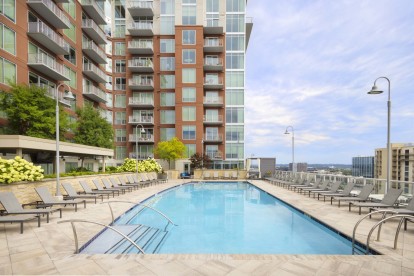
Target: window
235	42
167	45
8	9
234	151
234	133
235	79
189	113
167	116
120	153
73	103
71	74
212	5
189	37
167	134
70	8
120	135
235	23
189	94
119	9
189	75
7	71
120	118
167	7
167	99
235	5
109	100
167	63
235	61
167	81
189	56
234	97
72	56
189	132
71	32
7	39
119	28
120	101
167	25
120	66
190	150
189	12
234	115
120	83
120	48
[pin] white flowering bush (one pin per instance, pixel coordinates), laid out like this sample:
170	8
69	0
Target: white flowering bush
149	165
18	169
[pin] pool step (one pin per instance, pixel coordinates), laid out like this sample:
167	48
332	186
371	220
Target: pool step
109	242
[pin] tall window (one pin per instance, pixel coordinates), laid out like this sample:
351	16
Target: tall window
167	6
189	37
167	116
167	25
71	74
120	135
235	5
189	113
234	97
189	132
167	45
234	115
235	42
120	118
120	152
212	5
167	99
8	9
167	63
167	134
189	56
7	71
71	57
70	8
71	32
190	149
189	94
234	133
235	23
167	81
120	83
235	79
7	39
234	151
120	48
189	75
235	61
189	12
120	66
120	101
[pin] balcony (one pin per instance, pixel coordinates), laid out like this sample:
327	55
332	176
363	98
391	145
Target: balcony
141	155
214	155
93	31
94	73
48	38
141	47
62	1
94	93
213	83
94	52
142	138
94	11
141	28
141	102
141	84
213	26
213	45
144	120
216	138
213	120
213	101
51	92
48	10
213	64
47	65
140	8
141	65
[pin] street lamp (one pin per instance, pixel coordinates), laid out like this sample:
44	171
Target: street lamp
375	91
67	96
136	143
293	146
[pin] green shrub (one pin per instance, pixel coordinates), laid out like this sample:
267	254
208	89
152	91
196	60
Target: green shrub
18	169
149	165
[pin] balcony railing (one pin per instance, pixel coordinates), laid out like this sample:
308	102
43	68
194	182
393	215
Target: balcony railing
213	26
94	11
94	52
140	28
51	92
141	46
93	72
213	64
141	101
141	65
94	93
141	120
214	154
213	137
217	119
213	83
50	12
48	38
120	86
213	42
213	100
143	137
94	31
47	65
141	83
140	8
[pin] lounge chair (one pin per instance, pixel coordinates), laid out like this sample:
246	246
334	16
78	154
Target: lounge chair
206	175
215	175
133	181
301	188
13	207
122	183
333	189
89	191
408	210
48	199
234	175
305	184
346	192
101	188
140	178
322	187
108	185
226	175
388	201
72	194
19	219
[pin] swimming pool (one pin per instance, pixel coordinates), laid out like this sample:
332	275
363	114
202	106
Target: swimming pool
220	217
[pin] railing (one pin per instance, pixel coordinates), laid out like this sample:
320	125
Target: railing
214	154
141	119
93	3
93	46
75	235
141	82
141	25
141	44
213	119
213	81
120	86
213	137
89	23
55	9
213	42
42	58
40	27
92	67
143	137
213	61
141	4
140	101
213	100
140	62
90	89
51	92
212	22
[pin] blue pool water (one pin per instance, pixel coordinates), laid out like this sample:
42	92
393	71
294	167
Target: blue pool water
226	218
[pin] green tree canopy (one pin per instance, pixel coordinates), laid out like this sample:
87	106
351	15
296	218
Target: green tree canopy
198	161
170	150
93	130
31	112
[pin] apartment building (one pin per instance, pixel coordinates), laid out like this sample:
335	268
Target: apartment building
363	166
155	69
402	162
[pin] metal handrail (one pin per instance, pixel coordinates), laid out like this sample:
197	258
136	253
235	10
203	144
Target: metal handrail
72	222
137	203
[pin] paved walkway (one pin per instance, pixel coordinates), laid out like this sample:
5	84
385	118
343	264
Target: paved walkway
49	249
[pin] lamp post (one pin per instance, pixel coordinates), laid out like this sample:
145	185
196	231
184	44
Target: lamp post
374	90
66	96
136	144
293	146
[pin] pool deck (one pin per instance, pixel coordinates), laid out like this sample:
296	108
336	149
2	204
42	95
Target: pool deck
49	249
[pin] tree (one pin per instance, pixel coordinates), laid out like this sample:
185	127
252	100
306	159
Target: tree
170	150
199	162
93	130
31	112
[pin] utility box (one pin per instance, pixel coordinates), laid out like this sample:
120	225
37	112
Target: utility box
260	167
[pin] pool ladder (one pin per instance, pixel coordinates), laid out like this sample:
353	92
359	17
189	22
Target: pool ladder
403	218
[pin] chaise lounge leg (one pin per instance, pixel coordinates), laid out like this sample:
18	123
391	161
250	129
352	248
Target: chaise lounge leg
21	227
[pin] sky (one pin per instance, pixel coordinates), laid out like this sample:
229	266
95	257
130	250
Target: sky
310	64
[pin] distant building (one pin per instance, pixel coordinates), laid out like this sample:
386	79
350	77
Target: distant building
300	167
402	162
363	166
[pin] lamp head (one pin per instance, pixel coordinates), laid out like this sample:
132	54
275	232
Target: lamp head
375	90
287	132
142	130
68	96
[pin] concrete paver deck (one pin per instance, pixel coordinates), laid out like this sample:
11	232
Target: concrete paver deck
49	249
